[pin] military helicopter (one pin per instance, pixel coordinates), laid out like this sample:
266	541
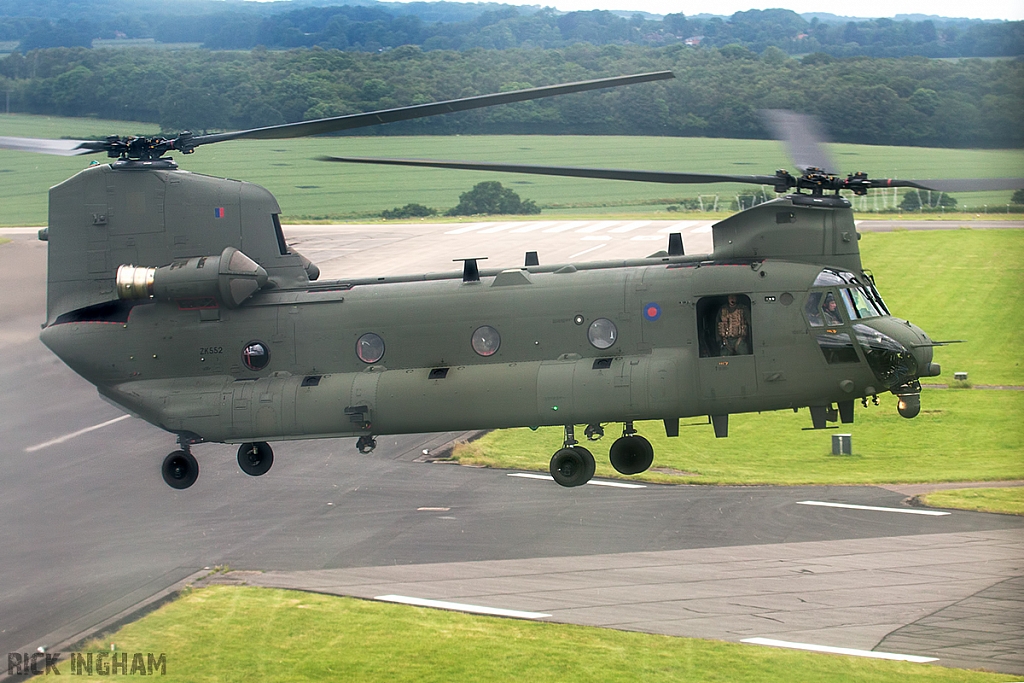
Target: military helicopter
179	297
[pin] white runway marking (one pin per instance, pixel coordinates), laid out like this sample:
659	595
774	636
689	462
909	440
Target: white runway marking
595	238
598	227
469	228
630	226
933	513
840	650
586	251
703	229
500	227
68	437
565	226
530	227
461	607
595	482
679	227
646	238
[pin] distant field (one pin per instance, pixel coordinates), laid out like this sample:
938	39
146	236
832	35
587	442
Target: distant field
312	190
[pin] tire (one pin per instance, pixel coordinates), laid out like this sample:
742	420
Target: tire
255	459
572	466
180	470
631	454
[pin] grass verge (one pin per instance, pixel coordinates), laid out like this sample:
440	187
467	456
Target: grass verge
229	634
1007	501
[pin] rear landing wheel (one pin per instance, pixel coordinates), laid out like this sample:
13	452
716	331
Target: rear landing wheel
255	459
631	454
180	470
572	466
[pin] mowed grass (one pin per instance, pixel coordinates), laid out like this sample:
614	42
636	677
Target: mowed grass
1008	501
956	284
230	634
312	190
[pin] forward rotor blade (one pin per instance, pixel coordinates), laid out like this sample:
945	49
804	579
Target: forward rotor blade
64	148
347	122
954	184
803	137
569	171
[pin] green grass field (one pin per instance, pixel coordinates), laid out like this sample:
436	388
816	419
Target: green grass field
242	634
313	190
961	284
1008	501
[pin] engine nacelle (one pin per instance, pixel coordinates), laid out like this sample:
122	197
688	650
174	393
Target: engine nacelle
230	279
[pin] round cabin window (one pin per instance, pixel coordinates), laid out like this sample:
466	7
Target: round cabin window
486	340
602	333
370	348
255	355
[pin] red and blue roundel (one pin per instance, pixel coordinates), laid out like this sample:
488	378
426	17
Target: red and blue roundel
652	311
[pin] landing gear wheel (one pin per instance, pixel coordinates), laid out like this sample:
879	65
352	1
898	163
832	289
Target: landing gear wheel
255	459
366	443
180	470
631	454
572	466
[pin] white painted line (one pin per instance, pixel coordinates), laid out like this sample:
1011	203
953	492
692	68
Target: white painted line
703	229
565	226
428	509
469	228
932	513
461	607
585	251
500	227
630	226
646	238
840	650
599	226
679	227
594	482
615	484
536	225
68	437
595	238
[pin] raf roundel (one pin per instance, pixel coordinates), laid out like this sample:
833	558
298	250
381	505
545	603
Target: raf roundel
652	311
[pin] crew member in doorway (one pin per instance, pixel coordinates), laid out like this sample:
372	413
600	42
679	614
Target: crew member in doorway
733	330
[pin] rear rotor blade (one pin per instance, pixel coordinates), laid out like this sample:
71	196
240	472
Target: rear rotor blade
803	137
954	184
350	121
569	171
64	148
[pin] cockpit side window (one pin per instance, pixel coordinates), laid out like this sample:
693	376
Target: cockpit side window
812	309
831	310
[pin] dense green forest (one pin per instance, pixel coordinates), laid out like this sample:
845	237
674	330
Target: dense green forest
716	93
374	26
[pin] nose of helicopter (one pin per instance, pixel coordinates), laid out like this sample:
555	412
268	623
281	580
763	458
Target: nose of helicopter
899	353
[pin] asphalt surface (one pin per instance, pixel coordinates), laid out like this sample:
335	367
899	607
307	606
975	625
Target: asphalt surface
88	528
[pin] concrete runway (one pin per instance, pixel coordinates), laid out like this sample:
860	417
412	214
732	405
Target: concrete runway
88	527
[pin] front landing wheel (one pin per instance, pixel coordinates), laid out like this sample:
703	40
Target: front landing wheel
255	459
572	466
180	470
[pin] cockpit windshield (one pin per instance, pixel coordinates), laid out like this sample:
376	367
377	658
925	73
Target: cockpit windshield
859	295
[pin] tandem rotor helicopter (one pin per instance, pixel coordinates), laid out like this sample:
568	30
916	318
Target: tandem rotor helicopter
178	296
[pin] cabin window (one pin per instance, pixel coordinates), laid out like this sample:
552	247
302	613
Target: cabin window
723	325
830	309
370	348
486	340
602	333
255	355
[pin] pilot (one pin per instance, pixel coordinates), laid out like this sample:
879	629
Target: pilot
733	330
831	311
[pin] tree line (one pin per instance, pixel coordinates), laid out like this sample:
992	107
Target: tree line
372	27
717	92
